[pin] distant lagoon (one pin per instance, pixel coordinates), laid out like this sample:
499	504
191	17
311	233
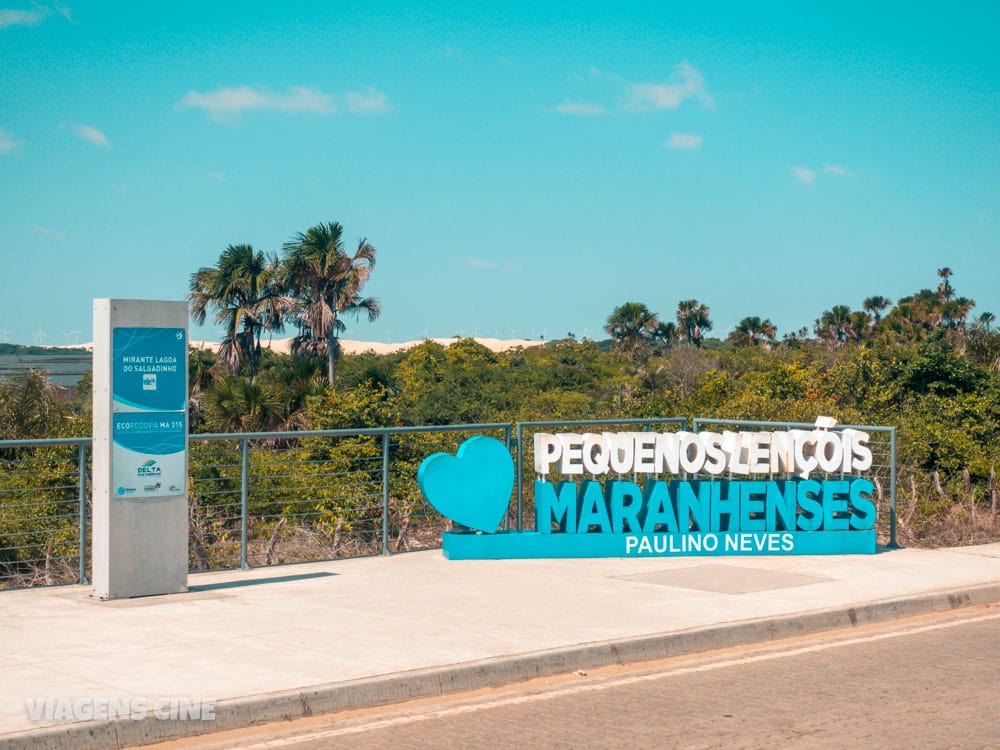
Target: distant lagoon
65	369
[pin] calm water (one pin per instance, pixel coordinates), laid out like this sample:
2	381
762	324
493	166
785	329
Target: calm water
63	369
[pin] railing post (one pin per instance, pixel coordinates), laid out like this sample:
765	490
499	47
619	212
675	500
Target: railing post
244	501
385	492
81	457
892	489
520	479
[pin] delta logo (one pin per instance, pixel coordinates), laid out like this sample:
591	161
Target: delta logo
149	469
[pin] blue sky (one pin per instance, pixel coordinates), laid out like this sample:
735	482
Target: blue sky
521	167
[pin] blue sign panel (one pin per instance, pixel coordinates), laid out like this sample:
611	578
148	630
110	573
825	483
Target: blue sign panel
149	401
148	369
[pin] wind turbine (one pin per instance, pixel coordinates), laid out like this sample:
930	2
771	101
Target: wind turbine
6	334
39	335
587	332
514	332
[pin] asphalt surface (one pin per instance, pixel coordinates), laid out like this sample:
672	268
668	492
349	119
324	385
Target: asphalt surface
284	642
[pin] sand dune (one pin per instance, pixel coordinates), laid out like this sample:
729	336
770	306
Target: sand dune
350	346
283	346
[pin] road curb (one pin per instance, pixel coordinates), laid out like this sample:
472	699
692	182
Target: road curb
371	692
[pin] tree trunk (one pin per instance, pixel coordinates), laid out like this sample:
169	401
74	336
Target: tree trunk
272	543
993	491
913	504
332	351
937	485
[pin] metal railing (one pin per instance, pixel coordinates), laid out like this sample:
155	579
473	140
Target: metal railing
277	497
44	508
268	498
253	498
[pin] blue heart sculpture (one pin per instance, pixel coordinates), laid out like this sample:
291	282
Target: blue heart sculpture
472	487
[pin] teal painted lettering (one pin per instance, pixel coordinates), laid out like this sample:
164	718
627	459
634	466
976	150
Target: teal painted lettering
694	504
862	508
779	506
726	509
557	506
811	517
835	516
625	500
593	508
659	508
751	507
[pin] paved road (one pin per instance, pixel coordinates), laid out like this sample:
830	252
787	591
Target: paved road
925	682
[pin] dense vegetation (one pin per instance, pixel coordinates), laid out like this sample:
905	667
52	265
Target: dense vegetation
919	365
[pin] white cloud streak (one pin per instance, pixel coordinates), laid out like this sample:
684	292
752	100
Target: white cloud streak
53	233
585	109
227	103
837	169
9	144
686	83
88	133
684	141
803	174
368	102
13	17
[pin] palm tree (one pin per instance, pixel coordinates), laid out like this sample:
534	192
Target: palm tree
326	283
243	289
693	318
945	289
985	320
752	331
874	305
955	312
631	326
836	325
665	335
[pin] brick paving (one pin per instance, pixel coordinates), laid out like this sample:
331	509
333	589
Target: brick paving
934	689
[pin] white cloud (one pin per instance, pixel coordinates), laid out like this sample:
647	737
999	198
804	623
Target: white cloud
684	140
13	17
803	174
228	103
473	262
687	83
217	177
368	102
88	133
53	233
10	17
837	169
9	144
580	108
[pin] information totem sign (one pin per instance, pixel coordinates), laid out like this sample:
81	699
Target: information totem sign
140	542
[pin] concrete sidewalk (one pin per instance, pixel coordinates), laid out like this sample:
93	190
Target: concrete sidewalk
288	641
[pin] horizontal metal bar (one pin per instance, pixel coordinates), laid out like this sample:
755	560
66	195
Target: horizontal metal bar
581	422
44	442
795	425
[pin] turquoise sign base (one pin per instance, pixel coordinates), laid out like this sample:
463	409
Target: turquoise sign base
517	545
